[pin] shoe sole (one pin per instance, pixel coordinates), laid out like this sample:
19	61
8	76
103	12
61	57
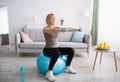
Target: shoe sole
70	72
49	79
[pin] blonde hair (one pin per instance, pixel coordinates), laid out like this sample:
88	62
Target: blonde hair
49	16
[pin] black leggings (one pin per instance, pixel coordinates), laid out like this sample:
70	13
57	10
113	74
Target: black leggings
55	52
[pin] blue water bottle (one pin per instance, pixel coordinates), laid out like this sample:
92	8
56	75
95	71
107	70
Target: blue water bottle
22	74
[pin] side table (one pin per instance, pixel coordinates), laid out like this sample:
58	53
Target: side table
106	51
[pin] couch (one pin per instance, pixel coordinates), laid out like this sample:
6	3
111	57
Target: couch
36	34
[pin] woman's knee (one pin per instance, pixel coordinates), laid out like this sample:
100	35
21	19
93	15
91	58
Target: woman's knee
71	51
56	53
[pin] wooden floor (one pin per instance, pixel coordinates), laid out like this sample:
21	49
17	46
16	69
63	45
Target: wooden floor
104	72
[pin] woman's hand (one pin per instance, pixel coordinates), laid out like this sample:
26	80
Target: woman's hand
70	29
79	29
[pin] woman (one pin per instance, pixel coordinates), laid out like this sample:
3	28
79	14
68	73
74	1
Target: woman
51	48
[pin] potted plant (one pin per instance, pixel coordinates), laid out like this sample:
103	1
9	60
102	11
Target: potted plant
61	21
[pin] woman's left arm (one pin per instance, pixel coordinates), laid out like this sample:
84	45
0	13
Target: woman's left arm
69	29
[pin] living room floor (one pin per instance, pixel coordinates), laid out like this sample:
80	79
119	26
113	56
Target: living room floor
10	65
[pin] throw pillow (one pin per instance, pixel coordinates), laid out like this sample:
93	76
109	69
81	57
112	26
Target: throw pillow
25	37
78	37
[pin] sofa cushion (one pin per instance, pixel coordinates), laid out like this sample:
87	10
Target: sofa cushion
78	37
32	45
35	45
36	34
25	38
72	44
65	36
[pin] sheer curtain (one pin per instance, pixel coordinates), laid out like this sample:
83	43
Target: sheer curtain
109	22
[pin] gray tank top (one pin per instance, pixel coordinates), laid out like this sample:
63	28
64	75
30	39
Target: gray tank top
51	40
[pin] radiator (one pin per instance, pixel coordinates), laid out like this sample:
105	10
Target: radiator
5	39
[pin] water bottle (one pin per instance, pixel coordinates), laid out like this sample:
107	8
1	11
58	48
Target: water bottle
22	74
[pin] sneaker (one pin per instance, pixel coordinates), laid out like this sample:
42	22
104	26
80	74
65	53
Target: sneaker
70	70
50	76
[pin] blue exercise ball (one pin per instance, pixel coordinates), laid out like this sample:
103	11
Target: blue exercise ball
43	64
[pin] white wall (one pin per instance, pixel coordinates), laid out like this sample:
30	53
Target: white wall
76	13
109	22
